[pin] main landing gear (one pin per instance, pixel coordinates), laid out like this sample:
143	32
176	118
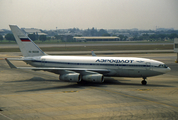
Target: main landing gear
144	82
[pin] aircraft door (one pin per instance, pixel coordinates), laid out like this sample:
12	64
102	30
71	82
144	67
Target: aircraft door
43	62
121	71
148	65
119	66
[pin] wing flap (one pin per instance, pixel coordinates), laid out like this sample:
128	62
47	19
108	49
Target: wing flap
58	70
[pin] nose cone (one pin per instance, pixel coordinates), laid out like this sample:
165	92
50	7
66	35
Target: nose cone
163	70
168	69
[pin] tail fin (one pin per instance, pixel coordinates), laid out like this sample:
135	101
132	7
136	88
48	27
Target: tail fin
27	46
93	54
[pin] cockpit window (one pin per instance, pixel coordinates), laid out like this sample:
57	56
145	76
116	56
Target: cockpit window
162	66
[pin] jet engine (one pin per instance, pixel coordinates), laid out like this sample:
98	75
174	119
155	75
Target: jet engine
93	78
70	77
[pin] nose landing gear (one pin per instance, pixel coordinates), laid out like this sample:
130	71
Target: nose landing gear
144	82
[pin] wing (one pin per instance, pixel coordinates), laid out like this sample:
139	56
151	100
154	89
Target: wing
60	70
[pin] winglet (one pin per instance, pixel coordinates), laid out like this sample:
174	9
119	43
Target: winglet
93	54
10	64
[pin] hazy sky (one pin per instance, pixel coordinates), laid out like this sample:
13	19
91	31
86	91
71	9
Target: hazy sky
83	14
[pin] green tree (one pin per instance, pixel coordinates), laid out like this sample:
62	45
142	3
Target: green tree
162	36
1	38
33	36
57	37
78	35
103	32
42	38
173	35
153	37
69	38
48	38
125	37
9	37
145	36
93	32
121	37
106	34
135	37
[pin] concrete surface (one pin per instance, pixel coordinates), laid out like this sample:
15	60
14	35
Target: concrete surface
86	44
31	95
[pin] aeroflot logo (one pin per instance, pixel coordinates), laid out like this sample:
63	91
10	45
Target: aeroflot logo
114	61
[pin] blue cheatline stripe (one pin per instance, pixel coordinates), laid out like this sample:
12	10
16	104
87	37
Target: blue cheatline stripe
68	63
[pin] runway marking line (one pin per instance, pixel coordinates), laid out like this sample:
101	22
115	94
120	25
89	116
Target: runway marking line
5	116
72	91
73	108
144	90
134	97
105	115
69	91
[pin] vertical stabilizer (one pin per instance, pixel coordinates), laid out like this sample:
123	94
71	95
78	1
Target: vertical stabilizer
26	45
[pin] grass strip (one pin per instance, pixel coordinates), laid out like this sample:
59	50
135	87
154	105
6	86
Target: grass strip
98	48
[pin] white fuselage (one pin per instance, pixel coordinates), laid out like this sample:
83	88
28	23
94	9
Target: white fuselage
77	68
118	66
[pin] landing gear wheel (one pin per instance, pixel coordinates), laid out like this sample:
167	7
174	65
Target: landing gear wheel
144	82
81	82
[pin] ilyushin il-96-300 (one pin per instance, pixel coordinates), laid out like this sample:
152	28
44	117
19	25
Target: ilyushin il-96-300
79	68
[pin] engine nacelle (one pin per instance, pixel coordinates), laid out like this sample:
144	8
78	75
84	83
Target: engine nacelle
93	78
70	77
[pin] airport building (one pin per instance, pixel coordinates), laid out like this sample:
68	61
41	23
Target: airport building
84	39
33	30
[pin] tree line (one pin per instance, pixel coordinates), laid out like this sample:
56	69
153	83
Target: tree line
155	36
10	37
34	37
69	38
64	38
95	32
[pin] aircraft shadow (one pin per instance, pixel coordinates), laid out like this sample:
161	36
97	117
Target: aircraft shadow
34	79
112	81
83	85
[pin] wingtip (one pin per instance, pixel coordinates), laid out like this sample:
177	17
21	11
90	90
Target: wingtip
10	64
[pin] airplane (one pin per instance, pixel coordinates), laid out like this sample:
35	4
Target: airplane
79	68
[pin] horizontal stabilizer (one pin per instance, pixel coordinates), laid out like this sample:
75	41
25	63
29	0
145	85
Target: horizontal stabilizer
93	54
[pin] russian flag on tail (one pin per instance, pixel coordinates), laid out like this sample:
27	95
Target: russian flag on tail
25	39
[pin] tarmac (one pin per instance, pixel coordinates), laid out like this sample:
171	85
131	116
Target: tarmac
39	95
87	44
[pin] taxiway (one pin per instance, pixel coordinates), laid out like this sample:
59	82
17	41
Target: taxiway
26	94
